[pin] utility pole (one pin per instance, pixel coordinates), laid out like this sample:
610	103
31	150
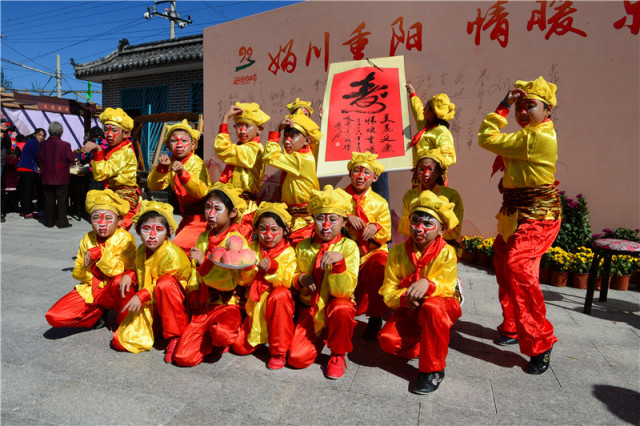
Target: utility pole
57	75
169	14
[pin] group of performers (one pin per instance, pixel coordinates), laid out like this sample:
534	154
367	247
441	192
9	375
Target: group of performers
321	255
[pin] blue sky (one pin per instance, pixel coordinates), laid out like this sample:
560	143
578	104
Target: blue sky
33	32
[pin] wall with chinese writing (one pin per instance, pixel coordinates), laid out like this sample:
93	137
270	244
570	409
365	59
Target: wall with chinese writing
474	52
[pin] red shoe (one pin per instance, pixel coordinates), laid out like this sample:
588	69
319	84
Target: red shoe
171	347
336	367
276	362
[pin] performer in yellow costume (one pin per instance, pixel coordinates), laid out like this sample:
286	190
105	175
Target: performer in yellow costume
215	301
420	285
117	167
432	122
430	171
298	165
269	304
326	276
530	216
187	176
162	275
305	108
105	253
369	224
245	166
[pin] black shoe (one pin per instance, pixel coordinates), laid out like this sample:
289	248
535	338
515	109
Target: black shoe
427	382
373	327
101	323
68	225
539	363
506	341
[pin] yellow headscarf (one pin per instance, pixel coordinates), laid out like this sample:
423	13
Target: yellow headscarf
329	200
251	114
118	118
233	193
164	209
443	107
279	209
106	200
438	207
539	89
293	106
306	125
367	160
184	125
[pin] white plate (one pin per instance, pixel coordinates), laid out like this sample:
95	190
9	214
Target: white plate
226	266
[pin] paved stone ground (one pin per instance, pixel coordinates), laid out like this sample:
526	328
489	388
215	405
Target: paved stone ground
73	377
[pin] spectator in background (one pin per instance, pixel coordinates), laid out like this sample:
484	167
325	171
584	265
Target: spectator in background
28	172
9	175
95	135
55	157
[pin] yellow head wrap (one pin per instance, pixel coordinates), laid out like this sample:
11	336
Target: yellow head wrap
443	107
438	207
293	106
279	209
118	118
164	209
305	125
539	89
367	160
184	125
106	200
435	154
329	200
233	193
251	114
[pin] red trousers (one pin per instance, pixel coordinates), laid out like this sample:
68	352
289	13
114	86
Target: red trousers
189	230
370	280
72	311
279	318
170	301
338	332
216	325
424	333
517	263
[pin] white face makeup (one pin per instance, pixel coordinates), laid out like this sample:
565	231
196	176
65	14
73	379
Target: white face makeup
361	177
426	171
113	134
530	112
153	233
215	211
180	144
104	222
328	225
269	232
424	230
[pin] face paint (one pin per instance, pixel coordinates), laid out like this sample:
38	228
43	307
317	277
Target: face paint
153	234
212	209
530	112
113	134
245	131
180	144
328	225
424	230
104	222
426	173
361	177
269	232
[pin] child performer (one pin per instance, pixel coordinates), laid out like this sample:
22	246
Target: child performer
163	272
530	217
188	177
432	122
298	167
430	171
419	284
105	253
117	167
326	276
269	305
245	166
303	106
370	226
216	303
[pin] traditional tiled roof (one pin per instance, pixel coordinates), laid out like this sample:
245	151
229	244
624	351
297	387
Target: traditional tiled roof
139	57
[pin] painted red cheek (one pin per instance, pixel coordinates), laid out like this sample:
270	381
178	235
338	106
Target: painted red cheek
326	224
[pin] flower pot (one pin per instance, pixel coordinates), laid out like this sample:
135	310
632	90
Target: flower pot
599	283
484	260
620	282
558	278
469	257
579	280
544	275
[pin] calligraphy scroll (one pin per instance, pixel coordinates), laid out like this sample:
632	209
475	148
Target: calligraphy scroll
365	109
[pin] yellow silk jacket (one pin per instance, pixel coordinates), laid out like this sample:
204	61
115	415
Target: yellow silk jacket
442	271
377	210
301	177
135	333
121	169
438	137
225	280
529	157
333	285
452	195
247	161
281	277
118	255
197	186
